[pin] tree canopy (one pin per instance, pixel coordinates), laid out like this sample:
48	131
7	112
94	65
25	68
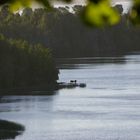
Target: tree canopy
96	13
65	34
23	65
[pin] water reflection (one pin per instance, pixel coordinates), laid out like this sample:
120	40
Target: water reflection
27	91
20	104
75	63
107	109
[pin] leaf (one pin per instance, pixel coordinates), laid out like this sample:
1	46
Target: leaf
135	13
45	3
100	14
17	4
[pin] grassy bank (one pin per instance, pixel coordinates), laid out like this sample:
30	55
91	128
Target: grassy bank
9	130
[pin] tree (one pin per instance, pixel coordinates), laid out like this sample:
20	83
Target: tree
96	13
23	65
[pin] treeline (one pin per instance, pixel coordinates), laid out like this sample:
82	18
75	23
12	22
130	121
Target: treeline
24	66
66	35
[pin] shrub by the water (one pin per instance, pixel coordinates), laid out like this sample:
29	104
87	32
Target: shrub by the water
24	65
9	130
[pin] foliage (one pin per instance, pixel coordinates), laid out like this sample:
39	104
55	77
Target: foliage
135	13
96	13
102	12
9	130
24	65
66	35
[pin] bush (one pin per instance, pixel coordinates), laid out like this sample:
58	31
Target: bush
25	65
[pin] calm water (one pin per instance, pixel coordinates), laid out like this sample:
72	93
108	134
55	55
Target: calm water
107	109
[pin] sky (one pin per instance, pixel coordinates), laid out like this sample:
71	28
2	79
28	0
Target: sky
113	1
126	3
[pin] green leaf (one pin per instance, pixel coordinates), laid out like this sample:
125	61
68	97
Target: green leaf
17	4
46	3
135	13
100	14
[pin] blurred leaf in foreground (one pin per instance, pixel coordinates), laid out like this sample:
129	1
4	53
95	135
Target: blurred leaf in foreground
97	13
17	4
100	13
135	13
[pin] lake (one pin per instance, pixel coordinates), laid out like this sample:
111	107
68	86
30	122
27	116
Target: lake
107	109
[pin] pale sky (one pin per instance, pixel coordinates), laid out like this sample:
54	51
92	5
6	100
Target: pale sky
84	1
126	3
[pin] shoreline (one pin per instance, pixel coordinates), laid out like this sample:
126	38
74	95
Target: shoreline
9	130
41	90
38	90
